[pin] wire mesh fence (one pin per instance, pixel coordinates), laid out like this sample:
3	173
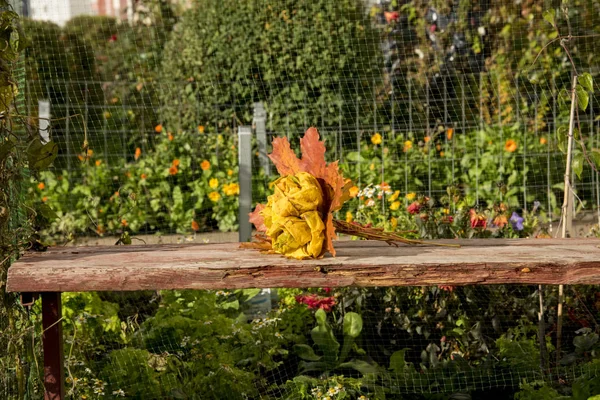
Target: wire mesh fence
459	107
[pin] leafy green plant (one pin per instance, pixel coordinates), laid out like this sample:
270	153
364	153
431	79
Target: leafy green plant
332	356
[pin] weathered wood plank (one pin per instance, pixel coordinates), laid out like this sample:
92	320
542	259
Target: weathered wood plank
359	263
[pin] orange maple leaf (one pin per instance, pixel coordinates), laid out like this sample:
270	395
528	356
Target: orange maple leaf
257	219
335	187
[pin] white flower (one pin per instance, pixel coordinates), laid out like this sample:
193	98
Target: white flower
119	393
420	53
388	309
207	322
370	203
481	30
278	335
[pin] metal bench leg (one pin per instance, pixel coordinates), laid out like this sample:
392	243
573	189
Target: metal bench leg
52	340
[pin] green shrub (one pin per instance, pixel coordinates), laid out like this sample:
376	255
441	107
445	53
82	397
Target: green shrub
304	59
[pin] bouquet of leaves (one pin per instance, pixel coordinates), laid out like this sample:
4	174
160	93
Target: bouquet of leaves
297	220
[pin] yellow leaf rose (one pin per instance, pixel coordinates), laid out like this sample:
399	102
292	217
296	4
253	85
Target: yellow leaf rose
292	216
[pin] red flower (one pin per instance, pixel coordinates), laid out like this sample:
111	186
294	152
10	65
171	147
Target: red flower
313	301
327	290
447	288
414	208
113	38
391	16
477	220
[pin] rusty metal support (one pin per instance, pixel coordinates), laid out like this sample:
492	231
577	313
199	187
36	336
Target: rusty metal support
52	340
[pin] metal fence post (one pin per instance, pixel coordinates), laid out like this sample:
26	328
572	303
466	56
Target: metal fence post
260	116
245	179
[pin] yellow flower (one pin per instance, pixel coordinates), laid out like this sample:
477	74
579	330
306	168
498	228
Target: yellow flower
214	196
394	222
353	191
205	165
349	216
510	146
106	115
411	196
446	211
394	196
98	162
291	216
395	205
231	189
213	183
372	167
229	172
376	139
201	128
407	145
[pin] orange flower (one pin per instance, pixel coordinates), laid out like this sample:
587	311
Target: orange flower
175	162
500	221
195	226
45	199
427	139
407	145
543	140
385	186
201	128
441	154
354	191
100	230
173	170
41	186
138	153
80	157
116	194
205	165
98	162
510	146
450	133
128	174
170	136
124	222
143	176
158	128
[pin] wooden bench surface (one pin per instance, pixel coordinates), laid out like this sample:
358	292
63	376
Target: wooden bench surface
359	263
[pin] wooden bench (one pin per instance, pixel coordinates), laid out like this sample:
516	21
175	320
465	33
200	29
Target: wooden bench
227	266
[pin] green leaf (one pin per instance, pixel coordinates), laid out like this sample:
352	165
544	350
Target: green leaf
323	337
47	212
583	98
397	361
306	352
40	155
353	324
562	138
595	157
361	366
577	165
550	16
586	81
6	147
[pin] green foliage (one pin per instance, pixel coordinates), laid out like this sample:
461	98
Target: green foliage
180	185
225	55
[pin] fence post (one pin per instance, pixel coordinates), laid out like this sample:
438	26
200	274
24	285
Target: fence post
67	128
260	116
44	120
245	179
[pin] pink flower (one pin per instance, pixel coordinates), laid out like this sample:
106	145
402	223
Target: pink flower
327	290
447	288
414	208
